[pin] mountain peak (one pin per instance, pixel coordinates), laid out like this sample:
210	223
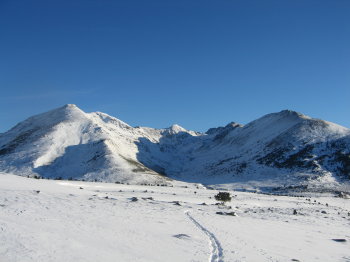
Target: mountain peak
291	113
175	128
230	126
286	116
70	106
68	110
233	124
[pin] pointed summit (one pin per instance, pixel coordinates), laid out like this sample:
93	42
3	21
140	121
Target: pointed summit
175	129
66	112
70	106
291	113
280	120
50	118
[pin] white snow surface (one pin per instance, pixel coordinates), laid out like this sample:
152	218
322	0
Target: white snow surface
72	221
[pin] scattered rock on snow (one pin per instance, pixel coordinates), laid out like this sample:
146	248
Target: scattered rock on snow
226	213
182	236
147	198
343	195
339	239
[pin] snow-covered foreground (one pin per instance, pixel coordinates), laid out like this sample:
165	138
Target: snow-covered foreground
81	221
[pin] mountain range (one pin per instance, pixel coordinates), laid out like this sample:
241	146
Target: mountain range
284	150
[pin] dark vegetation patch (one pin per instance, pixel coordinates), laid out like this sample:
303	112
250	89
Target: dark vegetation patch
241	167
11	146
271	159
138	167
344	160
229	165
223	197
301	159
96	156
224	161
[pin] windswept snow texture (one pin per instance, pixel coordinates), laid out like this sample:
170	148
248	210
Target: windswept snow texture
280	151
73	221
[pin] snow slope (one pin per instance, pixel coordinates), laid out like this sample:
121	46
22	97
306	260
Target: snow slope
66	142
280	151
47	221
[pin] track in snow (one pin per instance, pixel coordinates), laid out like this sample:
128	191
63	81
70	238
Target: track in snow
216	249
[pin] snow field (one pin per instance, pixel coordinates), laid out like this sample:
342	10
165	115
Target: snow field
82	221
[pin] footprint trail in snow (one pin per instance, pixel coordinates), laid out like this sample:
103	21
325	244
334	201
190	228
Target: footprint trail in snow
216	249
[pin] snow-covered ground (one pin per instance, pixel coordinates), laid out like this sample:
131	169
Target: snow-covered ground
85	221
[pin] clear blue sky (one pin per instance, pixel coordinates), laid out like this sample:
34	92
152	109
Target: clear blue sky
198	63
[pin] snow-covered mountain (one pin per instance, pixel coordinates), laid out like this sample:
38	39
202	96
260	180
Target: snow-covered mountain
279	149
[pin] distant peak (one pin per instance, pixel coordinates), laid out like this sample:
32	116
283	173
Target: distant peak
175	128
70	106
66	111
286	114
233	124
289	116
230	126
290	112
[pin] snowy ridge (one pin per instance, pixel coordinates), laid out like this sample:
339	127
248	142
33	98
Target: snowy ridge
276	151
